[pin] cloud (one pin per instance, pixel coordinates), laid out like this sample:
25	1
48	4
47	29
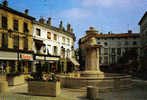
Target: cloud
108	3
76	13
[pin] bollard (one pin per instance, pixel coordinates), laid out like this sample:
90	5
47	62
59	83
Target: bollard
92	93
3	86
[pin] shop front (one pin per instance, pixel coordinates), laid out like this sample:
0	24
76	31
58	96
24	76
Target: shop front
39	62
51	64
26	63
8	61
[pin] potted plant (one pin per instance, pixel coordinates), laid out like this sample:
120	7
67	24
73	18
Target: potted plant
45	83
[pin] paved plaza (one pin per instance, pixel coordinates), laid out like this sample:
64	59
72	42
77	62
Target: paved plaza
137	92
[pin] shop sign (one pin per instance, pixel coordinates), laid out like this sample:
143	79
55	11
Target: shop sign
26	56
51	61
52	58
39	57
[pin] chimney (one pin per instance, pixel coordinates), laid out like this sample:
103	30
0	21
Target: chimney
49	21
109	32
42	20
129	31
5	3
71	30
27	11
61	25
68	28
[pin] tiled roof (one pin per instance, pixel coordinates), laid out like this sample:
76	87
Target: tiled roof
16	12
122	35
145	14
117	35
55	29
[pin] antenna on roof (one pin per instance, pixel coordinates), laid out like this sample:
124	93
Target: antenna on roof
128	26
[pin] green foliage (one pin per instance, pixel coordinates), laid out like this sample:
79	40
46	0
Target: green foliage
37	76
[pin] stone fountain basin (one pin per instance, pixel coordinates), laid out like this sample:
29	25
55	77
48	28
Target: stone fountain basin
110	81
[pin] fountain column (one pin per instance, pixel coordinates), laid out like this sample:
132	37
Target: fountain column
92	68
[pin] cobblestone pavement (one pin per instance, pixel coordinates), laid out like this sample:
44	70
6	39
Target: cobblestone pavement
137	92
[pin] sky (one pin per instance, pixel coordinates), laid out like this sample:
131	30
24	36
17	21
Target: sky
116	16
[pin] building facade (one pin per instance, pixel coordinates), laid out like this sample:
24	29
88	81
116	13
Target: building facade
115	46
143	34
15	40
52	46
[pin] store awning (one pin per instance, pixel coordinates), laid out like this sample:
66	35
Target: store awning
8	55
52	58
74	61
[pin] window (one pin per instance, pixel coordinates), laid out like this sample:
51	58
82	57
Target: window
105	59
113	51
48	49
134	43
55	50
119	51
98	42
105	51
4	40
48	35
100	51
25	27
105	43
62	52
126	43
118	43
16	42
68	53
126	49
25	44
38	32
63	39
15	25
4	22
55	36
113	59
68	41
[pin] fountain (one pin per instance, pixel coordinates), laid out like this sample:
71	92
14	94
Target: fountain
93	76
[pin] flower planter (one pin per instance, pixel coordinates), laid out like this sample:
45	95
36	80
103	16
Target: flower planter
2	77
15	80
51	88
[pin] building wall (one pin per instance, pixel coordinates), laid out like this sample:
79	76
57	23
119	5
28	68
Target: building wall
143	31
106	53
50	43
21	20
